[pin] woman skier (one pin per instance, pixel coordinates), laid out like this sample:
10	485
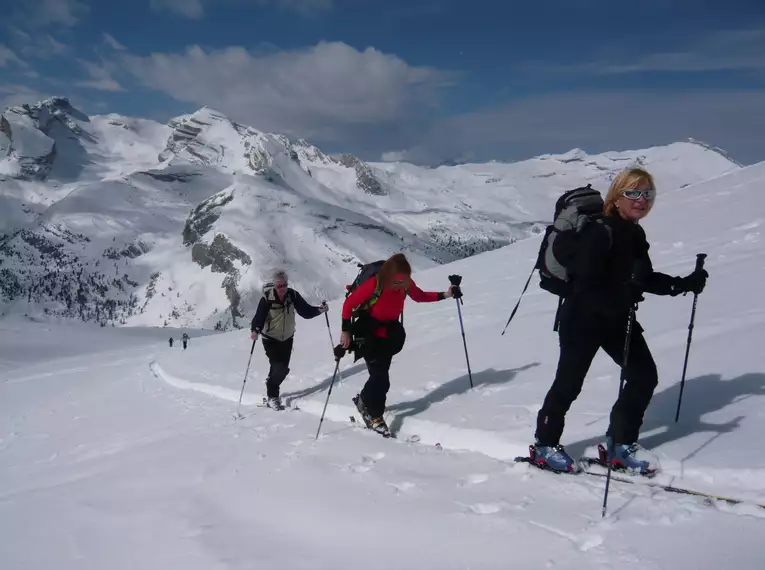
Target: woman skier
377	334
609	274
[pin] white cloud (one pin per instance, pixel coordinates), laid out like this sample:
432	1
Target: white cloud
100	76
7	55
41	46
330	91
101	84
113	43
11	94
393	156
194	9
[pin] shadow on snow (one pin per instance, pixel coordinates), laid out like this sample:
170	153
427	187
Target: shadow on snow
702	395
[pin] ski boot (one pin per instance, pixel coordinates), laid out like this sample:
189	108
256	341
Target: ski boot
552	457
274	404
630	458
375	424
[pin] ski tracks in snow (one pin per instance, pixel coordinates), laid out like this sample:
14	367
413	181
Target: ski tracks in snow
490	444
494	445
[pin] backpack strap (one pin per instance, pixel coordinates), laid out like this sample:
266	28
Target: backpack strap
366	305
556	323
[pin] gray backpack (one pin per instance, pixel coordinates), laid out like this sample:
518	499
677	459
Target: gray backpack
573	211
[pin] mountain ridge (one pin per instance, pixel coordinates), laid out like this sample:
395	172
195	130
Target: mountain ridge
121	220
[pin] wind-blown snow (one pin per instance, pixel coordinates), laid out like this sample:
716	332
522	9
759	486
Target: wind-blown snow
129	457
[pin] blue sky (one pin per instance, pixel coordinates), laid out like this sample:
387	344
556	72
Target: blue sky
422	80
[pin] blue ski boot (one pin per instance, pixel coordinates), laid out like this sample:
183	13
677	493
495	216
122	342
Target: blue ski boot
552	457
629	457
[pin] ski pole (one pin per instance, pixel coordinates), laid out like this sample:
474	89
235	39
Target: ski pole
518	304
456	280
622	376
238	415
329	393
326	316
700	257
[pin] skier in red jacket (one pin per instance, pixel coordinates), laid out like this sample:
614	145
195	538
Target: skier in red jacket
378	335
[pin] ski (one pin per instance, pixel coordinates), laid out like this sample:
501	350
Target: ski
585	464
264	404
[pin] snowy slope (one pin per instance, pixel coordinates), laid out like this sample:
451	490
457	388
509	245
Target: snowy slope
129	457
125	221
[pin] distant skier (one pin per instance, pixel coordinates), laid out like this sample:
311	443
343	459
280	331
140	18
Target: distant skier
185	339
275	320
171	342
611	270
378	335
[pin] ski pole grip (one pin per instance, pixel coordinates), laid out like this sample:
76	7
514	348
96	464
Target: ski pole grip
700	257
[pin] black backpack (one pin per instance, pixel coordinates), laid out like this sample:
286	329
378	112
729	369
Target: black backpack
573	211
366	271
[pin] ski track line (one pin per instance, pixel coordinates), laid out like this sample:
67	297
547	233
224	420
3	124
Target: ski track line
76	369
488	443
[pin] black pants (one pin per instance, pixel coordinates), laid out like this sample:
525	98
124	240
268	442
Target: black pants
184	344
375	391
578	346
278	353
378	355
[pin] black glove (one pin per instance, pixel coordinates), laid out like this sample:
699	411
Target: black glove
456	280
635	292
339	351
693	283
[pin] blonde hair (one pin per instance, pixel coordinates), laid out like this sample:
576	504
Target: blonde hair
629	179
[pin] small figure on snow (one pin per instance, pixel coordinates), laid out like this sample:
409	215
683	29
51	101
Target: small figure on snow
275	320
185	339
372	330
171	342
611	271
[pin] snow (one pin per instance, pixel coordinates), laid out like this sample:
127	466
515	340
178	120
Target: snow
120	452
121	184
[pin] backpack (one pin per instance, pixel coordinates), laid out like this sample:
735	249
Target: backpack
573	211
366	271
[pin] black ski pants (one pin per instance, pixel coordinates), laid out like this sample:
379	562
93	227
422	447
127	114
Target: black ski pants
579	343
375	391
279	353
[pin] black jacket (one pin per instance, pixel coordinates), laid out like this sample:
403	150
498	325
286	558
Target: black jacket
611	271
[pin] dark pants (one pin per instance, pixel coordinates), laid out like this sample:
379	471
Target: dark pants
378	355
278	353
375	390
184	344
578	346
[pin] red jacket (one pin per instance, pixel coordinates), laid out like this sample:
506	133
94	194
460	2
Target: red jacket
389	305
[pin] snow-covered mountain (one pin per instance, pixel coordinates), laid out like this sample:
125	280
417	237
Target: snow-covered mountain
119	452
128	221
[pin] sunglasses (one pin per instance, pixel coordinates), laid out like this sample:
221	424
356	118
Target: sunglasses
281	286
636	194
